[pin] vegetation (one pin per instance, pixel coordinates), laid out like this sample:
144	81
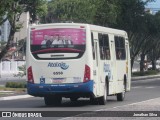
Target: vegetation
142	27
15	85
22	71
11	10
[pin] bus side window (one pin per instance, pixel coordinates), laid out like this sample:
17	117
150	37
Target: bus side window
120	48
93	49
101	46
106	46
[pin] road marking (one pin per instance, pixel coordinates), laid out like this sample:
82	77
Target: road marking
111	108
150	87
2	91
146	80
136	87
15	97
143	87
131	104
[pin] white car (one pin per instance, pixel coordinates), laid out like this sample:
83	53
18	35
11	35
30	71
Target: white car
157	66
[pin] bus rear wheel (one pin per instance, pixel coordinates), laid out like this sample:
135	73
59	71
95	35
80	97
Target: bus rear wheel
121	96
56	100
102	100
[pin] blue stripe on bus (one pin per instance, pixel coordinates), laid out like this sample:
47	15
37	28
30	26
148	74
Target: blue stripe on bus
44	89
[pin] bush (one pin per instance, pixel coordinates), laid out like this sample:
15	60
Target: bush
22	71
149	72
15	85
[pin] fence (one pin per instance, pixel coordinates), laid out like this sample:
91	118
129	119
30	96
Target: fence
10	68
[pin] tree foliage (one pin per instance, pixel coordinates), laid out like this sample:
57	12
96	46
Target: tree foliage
71	10
101	12
128	15
11	10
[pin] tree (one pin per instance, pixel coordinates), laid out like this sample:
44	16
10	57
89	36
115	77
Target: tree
106	13
133	19
100	12
128	15
11	10
70	10
154	53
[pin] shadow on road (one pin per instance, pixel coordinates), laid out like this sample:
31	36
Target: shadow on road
78	103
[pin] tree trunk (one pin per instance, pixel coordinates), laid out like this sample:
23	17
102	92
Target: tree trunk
132	62
154	64
142	62
10	39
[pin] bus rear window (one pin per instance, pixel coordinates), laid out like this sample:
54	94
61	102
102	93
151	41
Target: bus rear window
58	43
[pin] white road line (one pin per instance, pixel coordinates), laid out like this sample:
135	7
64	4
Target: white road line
150	87
113	107
15	97
130	104
136	87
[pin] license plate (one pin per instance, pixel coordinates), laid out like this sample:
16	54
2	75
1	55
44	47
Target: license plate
58	80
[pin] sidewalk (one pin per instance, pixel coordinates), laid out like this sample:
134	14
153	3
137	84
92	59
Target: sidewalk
12	78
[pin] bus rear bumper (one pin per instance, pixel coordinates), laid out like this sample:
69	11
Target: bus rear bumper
64	90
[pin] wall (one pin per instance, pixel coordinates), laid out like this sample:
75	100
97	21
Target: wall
10	68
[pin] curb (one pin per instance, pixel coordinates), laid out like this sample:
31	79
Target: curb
15	97
145	77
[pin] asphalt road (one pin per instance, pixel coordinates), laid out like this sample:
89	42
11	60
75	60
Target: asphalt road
141	90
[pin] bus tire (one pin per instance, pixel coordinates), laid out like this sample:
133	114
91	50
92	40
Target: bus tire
121	96
48	101
102	100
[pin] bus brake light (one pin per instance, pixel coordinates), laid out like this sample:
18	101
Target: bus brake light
86	74
30	75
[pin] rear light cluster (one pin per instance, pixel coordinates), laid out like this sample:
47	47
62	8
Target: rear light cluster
86	74
30	75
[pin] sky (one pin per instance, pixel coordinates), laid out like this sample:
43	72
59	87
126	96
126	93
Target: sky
155	4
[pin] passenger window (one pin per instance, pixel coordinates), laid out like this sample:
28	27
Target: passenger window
100	37
120	48
104	46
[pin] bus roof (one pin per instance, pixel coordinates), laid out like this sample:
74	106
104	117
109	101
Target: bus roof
92	27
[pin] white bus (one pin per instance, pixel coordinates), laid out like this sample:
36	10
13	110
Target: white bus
75	60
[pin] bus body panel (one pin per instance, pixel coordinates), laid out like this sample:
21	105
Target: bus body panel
66	76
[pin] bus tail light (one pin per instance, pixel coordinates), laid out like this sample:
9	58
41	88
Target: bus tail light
30	75
86	74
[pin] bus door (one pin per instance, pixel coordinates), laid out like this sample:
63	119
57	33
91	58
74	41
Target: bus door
128	69
96	62
113	77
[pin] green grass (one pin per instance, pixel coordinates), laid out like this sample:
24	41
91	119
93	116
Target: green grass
15	85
